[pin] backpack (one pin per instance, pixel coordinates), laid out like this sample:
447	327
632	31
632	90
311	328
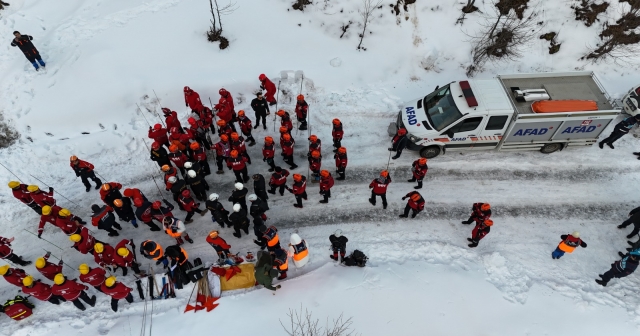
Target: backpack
357	258
19	308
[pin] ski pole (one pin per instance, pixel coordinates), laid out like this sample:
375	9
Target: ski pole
214	115
277	99
145	118
388	161
158	115
57	192
5	167
58	259
42	238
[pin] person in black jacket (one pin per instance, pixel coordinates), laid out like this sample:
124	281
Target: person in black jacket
261	107
104	219
218	213
338	244
238	196
177	187
159	155
124	210
143	214
634	218
28	49
620	268
239	220
197	184
399	142
620	130
257	210
178	265
259	187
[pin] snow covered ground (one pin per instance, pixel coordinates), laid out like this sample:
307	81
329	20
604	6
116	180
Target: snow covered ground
105	56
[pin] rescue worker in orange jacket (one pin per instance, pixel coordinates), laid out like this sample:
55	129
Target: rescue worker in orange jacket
415	204
152	250
568	244
479	213
419	170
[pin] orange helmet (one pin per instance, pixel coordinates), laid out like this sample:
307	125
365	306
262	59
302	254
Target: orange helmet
342	150
234	154
315	154
324	173
224	137
297	177
284	129
415	197
488	222
194	146
313	138
234	136
221	123
268	139
286	136
118	203
173	148
336	121
241	113
422	161
165	168
73	158
485	207
106	186
300	97
280	113
384	173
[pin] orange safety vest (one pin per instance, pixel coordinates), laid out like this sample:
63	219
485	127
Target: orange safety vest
275	239
170	233
568	245
157	249
186	256
300	251
284	266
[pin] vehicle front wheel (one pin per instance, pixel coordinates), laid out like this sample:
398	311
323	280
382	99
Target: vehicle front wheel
550	148
430	152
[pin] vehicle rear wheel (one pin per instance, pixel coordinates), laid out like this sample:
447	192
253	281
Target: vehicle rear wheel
430	152
550	148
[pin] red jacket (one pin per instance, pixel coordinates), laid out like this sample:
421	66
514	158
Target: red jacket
380	185
222	149
69	290
479	231
118	291
268	151
300	187
225	130
192	98
326	183
315	164
200	154
279	178
114	185
268	85
229	99
50	218
16	276
119	260
225	111
86	243
106	257
95	277
82	167
337	132
178	158
5	247
172	120
136	193
419	171
419	205
315	146
239	145
287	147
160	136
301	109
206	116
237	163
218	242
43	198
341	160
22	194
478	215
188	203
50	269
39	290
95	218
68	225
245	125
285	121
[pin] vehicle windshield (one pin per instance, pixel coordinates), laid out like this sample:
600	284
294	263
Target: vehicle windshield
441	109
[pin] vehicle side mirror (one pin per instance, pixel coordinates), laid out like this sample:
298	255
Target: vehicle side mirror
437	87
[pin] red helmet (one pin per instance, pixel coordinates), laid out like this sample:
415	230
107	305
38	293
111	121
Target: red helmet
128	192
268	139
221	123
166	110
422	161
300	97
173	148
336	121
286	136
191	121
284	129
313	138
187	89
241	113
280	113
262	77
186	193
223	92
324	173
155	146
384	173
137	202
234	136
156	205
157	126
297	177
402	131
342	150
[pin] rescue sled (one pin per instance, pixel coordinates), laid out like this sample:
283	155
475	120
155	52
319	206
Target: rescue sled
553	106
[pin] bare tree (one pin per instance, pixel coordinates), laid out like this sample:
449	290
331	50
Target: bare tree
588	11
299	4
503	36
215	31
620	40
467	9
368	7
302	323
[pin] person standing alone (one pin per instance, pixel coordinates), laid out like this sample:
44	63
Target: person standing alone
28	49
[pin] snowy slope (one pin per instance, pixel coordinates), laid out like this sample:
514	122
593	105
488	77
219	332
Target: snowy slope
106	56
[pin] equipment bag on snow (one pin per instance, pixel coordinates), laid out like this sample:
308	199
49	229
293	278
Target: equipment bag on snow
357	258
195	273
19	308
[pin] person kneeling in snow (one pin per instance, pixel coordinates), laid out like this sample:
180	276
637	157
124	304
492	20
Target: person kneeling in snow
338	244
568	244
264	271
620	268
482	229
415	204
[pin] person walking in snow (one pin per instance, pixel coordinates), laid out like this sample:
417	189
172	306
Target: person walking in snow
6	252
260	107
287	150
414	204
189	205
20	192
268	152
326	183
278	181
341	162
379	188
479	231
23	42
259	187
315	163
479	213
223	150
84	170
568	244
267	84
239	220
218	213
338	244
399	142
337	133
619	131
620	268
299	189
302	109
245	127
192	100
419	171
634	218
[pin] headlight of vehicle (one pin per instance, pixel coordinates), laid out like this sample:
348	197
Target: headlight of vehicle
413	138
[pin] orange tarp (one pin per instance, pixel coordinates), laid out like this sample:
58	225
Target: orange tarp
551	106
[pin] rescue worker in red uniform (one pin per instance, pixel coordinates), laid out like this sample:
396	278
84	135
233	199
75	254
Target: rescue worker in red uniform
267	84
13	276
245	127
379	188
415	204
218	244
223	150
104	219
124	210
419	171
285	120
40	290
72	291
287	150
479	231
21	193
326	183
315	144
84	170
92	276
315	163
302	108
206	116
337	133
171	119
299	189
237	163
568	244
200	157
103	254
158	212
192	100
40	197
224	94
479	213
178	158
278	181
7	253
268	151
83	242
198	132
159	154
117	291
159	135
341	162
68	223
237	143
281	263
189	205
46	268
143	213
124	257
110	192
399	142
168	173
49	215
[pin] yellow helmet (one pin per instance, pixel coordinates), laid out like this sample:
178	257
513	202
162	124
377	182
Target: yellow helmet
75	238
98	247
84	268
4	269
64	213
123	252
110	281
59	279
32	188
46	210
27	281
40	262
14	184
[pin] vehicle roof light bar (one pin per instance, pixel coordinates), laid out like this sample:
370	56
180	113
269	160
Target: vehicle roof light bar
468	94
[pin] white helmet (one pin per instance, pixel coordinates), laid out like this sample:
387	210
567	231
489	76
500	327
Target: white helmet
236	207
576	234
253	197
188	165
295	239
239	186
172	179
191	173
213	197
338	233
